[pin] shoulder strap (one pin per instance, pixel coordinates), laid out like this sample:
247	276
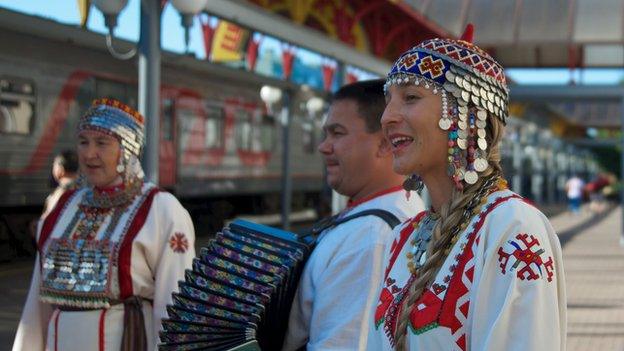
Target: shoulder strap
386	216
333	221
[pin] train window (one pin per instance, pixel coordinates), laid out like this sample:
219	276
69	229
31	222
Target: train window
254	131
267	130
309	137
215	116
166	125
17	105
244	137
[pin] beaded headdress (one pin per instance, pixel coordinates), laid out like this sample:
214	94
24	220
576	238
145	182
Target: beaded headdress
121	121
114	118
472	86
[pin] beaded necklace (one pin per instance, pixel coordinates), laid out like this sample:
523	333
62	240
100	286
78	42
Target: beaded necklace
423	230
78	266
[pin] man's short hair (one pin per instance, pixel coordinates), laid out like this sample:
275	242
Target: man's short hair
370	99
68	159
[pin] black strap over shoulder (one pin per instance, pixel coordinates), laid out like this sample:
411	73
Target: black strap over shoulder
333	221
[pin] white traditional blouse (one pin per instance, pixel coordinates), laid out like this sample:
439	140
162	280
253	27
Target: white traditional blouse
90	260
500	288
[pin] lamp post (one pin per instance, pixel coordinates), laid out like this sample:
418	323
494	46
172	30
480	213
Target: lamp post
271	95
188	9
111	9
149	84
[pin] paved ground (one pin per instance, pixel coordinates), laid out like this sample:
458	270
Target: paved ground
594	267
594	264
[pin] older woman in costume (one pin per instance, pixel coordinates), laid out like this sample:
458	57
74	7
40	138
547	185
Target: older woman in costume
110	252
482	269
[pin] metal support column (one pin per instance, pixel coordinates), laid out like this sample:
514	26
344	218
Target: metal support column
149	84
286	174
622	167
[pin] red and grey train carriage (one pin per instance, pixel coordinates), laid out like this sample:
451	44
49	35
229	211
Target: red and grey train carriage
219	149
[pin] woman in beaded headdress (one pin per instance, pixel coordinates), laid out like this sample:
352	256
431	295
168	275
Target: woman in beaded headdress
110	252
481	270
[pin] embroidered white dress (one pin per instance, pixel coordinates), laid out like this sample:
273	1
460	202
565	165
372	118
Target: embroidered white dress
501	287
150	247
337	288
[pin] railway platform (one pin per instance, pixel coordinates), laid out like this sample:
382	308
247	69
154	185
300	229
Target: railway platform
593	261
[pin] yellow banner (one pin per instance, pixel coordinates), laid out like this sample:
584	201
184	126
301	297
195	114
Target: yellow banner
229	42
84	7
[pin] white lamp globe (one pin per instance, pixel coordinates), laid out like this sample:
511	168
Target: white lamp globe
110	7
314	104
189	7
270	95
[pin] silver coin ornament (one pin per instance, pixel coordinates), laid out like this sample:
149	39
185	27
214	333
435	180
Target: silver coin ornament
471	177
480	164
462	125
481	133
482	115
462	143
461	174
482	144
444	123
480	124
465	95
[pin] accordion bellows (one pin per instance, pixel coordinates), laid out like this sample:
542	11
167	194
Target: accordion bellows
239	292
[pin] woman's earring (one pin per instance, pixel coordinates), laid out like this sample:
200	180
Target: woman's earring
120	165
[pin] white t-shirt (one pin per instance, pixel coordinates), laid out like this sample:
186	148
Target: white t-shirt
575	187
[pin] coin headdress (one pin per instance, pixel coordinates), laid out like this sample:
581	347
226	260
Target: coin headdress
472	86
122	122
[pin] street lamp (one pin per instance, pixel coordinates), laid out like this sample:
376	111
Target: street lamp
188	9
314	105
270	95
111	9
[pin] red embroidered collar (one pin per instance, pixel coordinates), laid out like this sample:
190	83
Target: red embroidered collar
109	189
352	203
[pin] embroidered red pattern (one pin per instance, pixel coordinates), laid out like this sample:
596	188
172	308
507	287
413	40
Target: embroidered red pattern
178	243
527	254
434	67
430	311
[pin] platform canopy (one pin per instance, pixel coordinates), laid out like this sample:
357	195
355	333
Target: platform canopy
537	33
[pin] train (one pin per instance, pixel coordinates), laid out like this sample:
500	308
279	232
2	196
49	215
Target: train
219	148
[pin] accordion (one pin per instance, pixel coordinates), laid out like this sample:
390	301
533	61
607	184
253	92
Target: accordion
238	294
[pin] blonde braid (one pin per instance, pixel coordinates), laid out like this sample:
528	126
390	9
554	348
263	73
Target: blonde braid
451	216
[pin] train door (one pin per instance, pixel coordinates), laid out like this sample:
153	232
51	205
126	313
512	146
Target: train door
167	151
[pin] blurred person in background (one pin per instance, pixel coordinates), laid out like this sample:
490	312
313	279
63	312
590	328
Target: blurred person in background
574	191
64	173
339	281
111	251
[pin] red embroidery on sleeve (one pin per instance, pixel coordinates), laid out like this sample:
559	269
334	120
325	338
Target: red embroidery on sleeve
178	243
528	262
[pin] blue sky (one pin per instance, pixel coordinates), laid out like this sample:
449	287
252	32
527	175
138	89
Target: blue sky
172	39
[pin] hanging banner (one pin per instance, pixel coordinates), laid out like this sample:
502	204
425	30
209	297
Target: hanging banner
288	57
328	70
84	7
252	51
229	42
208	31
